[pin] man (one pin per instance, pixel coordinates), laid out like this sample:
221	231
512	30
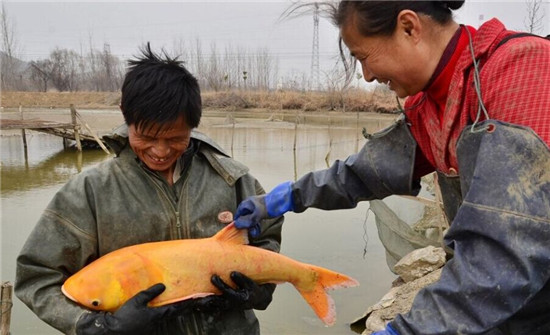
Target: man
166	182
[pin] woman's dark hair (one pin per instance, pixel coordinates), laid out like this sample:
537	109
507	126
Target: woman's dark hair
380	17
158	90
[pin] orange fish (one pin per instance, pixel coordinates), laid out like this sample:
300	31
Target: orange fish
185	268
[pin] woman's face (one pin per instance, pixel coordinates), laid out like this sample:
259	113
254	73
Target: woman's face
398	61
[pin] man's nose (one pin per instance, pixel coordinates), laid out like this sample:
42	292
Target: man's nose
161	148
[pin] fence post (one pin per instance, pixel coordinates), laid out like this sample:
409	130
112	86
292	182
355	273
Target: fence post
76	128
6	308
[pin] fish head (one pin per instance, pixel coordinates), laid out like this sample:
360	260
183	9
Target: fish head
99	293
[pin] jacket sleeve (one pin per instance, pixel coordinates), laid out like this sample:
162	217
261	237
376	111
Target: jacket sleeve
500	237
55	249
384	166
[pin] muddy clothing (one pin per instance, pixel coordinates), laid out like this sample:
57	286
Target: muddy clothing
498	281
120	203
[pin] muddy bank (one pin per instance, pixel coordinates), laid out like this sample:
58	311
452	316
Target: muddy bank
353	100
104	120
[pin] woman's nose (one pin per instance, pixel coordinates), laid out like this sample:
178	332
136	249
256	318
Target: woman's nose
369	76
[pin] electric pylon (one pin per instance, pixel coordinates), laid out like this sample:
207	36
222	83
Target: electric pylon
315	51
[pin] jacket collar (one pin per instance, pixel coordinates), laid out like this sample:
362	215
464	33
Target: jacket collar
229	169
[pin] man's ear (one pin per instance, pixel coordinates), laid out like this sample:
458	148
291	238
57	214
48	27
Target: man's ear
409	24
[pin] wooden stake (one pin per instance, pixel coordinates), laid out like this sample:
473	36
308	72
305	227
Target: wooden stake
92	133
23	130
6	308
76	128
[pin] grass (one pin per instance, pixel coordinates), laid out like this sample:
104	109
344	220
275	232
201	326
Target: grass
354	100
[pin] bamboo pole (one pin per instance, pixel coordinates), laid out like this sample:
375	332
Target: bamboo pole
6	308
76	128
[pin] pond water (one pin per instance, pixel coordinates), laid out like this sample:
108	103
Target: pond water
345	241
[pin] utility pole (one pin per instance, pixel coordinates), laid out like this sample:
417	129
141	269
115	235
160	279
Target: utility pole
315	51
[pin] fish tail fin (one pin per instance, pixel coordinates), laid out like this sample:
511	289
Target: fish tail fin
317	297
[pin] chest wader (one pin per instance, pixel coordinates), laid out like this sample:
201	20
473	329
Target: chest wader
498	280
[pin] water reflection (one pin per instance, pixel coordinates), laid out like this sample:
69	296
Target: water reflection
274	153
44	165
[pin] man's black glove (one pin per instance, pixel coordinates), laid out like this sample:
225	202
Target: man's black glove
247	295
134	317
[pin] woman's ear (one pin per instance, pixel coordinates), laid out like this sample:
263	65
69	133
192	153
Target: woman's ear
409	24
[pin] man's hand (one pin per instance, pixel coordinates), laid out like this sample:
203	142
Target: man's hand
247	295
134	317
254	209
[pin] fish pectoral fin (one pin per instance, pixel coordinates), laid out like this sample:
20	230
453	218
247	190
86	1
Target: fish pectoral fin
171	301
198	295
230	234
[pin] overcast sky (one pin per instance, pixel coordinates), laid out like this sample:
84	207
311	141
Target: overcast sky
40	26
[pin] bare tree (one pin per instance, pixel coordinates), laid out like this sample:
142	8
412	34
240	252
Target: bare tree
337	84
535	15
214	74
64	70
9	62
41	73
264	68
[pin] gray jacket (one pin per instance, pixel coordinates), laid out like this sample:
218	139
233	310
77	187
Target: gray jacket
120	203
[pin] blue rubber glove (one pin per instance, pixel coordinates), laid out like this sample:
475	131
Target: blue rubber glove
388	331
254	209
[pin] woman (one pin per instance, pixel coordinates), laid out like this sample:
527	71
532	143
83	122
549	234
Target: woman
478	113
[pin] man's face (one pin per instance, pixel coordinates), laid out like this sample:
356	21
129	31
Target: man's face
159	147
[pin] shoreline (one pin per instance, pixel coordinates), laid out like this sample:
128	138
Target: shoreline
102	121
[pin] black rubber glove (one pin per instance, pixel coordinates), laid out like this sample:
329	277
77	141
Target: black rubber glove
247	295
134	317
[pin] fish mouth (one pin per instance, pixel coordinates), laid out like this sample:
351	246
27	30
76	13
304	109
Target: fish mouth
67	294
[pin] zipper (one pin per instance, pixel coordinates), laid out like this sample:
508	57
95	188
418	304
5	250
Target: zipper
184	176
166	197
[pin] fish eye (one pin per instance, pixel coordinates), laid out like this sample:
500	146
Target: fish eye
95	303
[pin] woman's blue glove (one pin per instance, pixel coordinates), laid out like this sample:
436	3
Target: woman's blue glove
254	209
388	331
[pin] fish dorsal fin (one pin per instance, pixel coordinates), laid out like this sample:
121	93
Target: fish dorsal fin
230	234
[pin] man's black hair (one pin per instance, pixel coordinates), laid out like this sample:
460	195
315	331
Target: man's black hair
157	90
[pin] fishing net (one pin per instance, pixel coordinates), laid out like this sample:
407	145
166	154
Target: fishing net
400	237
